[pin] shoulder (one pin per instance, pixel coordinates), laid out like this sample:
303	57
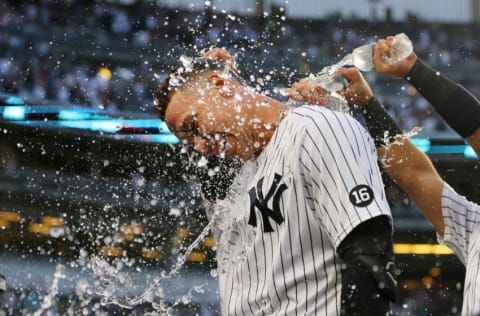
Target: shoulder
315	113
318	119
310	111
453	200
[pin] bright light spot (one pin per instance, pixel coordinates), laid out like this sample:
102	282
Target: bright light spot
13	100
422	249
105	73
73	115
16	113
470	153
423	144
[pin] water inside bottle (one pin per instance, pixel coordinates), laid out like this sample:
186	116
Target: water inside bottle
401	48
362	57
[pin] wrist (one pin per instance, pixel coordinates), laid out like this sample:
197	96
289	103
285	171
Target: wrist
418	70
359	99
368	100
412	60
381	126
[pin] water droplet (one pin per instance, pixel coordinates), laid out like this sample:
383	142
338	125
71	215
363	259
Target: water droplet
241	121
214	273
175	211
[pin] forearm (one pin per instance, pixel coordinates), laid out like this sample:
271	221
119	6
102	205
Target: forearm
406	165
458	107
413	171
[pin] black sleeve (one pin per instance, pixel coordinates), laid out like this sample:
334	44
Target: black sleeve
368	270
458	107
379	123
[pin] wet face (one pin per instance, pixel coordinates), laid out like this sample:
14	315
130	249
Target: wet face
214	117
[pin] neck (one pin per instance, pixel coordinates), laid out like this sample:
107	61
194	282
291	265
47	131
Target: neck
270	116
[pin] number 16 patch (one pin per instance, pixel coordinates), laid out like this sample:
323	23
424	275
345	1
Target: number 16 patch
361	195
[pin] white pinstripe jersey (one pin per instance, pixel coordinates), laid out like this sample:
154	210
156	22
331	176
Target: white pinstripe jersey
462	233
289	210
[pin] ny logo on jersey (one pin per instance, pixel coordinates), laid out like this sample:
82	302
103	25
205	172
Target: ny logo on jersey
257	200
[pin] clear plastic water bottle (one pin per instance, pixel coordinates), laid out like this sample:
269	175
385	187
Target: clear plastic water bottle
362	57
401	48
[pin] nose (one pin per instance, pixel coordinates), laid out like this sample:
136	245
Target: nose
202	145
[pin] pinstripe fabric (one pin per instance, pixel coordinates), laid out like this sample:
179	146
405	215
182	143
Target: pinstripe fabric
320	156
462	233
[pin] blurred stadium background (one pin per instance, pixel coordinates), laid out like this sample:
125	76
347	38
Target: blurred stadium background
94	197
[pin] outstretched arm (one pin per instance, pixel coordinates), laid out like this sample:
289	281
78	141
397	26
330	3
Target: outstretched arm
458	107
413	171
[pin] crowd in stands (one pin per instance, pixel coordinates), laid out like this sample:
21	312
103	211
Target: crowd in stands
51	51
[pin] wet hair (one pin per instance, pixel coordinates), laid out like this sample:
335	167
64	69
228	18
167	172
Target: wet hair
182	74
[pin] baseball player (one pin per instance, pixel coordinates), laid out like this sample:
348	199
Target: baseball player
456	220
305	228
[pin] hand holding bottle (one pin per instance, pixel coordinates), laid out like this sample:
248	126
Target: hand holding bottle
307	90
392	56
387	60
397	48
358	92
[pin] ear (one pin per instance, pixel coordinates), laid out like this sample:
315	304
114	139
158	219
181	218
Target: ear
216	80
221	84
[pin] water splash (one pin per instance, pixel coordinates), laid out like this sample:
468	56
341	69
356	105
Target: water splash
229	235
110	279
165	309
49	299
399	139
